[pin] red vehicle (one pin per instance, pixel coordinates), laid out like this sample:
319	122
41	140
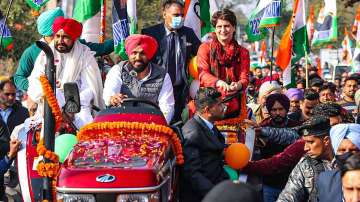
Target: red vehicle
127	154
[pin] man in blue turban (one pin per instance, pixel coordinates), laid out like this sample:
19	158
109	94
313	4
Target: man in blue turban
345	138
44	27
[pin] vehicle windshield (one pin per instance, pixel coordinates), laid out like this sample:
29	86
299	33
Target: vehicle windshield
121	152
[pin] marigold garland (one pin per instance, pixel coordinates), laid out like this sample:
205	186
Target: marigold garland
99	130
51	99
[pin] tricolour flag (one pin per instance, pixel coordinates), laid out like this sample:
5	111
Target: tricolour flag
36	4
355	30
346	56
310	24
326	24
198	14
123	13
7	40
85	9
271	14
253	30
294	44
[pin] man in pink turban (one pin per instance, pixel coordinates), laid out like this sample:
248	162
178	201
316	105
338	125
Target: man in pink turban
74	62
140	78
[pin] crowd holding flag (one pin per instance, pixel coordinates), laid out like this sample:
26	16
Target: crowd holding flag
7	40
198	14
346	44
294	44
326	24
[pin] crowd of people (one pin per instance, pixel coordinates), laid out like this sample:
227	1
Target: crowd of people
307	137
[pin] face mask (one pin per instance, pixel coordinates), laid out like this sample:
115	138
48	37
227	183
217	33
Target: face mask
177	22
342	158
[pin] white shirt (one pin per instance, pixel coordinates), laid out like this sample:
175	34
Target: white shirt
166	100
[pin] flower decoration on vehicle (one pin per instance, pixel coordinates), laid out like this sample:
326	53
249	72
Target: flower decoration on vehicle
51	99
136	139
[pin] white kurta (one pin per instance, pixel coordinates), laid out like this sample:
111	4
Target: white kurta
78	66
166	100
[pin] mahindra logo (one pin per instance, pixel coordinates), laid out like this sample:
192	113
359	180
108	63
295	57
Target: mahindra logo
105	178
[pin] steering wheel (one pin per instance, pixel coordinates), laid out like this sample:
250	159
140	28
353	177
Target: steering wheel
136	101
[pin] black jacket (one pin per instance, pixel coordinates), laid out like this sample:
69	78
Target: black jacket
17	117
203	153
188	41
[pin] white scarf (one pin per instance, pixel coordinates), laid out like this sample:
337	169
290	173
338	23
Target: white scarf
74	66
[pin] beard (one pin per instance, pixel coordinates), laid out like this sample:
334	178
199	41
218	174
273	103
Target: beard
63	48
139	68
278	119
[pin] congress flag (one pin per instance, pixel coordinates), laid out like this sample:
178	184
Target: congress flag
36	4
346	44
198	15
124	24
294	44
7	40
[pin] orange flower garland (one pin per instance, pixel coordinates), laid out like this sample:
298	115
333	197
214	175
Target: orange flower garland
100	130
51	99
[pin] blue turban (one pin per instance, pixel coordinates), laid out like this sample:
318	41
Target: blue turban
46	20
296	93
349	131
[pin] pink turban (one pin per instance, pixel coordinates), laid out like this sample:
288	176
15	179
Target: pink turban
147	43
70	26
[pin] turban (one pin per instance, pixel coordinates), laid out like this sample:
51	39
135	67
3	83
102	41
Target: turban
281	98
147	43
267	88
46	20
70	26
349	131
295	93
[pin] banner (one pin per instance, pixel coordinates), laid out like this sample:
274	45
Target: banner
326	24
355	31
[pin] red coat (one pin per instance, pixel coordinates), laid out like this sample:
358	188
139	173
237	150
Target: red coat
208	79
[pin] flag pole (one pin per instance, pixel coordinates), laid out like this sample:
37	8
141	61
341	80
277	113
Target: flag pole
103	21
5	19
272	53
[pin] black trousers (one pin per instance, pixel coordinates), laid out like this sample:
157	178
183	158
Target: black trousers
180	96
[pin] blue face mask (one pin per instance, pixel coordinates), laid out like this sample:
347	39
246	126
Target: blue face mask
177	22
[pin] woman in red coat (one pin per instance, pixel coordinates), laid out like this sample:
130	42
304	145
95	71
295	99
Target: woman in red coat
223	63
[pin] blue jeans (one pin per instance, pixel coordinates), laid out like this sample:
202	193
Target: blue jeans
270	194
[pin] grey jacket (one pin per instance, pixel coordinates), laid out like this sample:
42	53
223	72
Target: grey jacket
301	184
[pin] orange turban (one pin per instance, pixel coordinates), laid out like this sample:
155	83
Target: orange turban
147	43
70	26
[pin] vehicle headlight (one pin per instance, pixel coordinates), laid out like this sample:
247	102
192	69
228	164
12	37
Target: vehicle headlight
141	197
75	197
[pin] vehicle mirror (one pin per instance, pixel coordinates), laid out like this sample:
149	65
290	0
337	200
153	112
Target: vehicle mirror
72	98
